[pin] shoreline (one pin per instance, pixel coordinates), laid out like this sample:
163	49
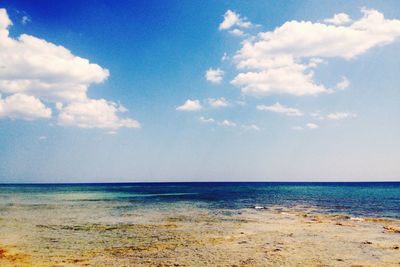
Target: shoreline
201	237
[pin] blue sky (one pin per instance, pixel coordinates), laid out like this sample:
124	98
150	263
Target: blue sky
99	91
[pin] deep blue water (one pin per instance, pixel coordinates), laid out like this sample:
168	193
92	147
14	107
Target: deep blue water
358	199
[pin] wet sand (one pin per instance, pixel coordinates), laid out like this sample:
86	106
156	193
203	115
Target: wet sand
202	237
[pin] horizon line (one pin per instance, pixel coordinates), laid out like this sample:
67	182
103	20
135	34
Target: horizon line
196	182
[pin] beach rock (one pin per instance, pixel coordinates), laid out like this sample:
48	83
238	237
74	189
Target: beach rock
315	219
392	229
341	217
2	253
380	220
249	261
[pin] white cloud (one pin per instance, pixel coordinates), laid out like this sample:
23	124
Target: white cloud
237	32
340	115
288	79
33	67
20	106
317	115
228	123
253	127
206	120
283	60
112	132
231	18
278	108
5	22
214	75
94	113
240	103
339	19
343	84
224	57
307	125
308	39
43	137
190	105
25	20
312	125
218	103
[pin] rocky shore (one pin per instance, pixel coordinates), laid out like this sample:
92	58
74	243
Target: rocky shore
201	237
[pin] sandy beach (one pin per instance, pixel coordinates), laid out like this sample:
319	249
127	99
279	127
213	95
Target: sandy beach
275	236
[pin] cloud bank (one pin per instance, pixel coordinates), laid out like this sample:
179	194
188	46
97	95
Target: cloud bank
34	71
283	61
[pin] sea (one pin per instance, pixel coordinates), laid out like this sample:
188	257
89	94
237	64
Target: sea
363	199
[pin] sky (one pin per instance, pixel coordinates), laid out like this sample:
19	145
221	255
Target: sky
126	91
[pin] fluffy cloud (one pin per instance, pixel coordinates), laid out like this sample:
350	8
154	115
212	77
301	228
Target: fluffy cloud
253	127
278	108
206	120
343	84
218	103
340	115
312	125
190	105
228	123
25	20
5	22
224	57
283	60
94	113
237	32
214	75
307	39
20	106
317	115
36	68
289	79
339	19
231	18
307	125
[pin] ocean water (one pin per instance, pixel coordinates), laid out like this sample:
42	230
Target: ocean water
56	200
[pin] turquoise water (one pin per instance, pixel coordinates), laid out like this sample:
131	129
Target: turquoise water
357	199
